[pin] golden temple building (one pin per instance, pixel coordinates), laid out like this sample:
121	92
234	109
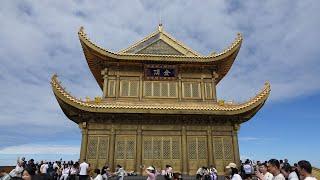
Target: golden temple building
158	106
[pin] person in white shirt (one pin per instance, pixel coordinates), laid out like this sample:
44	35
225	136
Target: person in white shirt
200	173
98	175
120	172
305	170
84	167
105	172
263	174
213	172
65	172
17	171
274	169
293	176
55	165
232	172
73	172
288	172
44	167
247	167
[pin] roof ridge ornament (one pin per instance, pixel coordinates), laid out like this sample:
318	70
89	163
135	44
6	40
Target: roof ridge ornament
160	27
81	31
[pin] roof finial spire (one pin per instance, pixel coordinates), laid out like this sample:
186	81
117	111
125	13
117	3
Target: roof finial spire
160	27
160	23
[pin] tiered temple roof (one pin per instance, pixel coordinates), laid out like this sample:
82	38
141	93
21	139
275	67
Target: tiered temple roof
97	56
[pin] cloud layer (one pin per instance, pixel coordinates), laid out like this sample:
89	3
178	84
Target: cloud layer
39	39
40	149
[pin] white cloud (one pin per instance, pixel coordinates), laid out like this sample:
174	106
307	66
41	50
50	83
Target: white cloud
249	138
40	38
40	149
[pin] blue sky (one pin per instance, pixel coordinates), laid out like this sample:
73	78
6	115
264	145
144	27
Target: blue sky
39	38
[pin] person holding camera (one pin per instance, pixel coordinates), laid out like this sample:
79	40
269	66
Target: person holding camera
263	173
151	172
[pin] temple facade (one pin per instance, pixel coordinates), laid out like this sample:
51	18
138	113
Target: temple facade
158	106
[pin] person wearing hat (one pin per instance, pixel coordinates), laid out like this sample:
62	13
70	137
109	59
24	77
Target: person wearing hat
151	172
232	172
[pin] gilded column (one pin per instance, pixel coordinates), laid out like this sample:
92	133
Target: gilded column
236	145
118	81
84	142
105	82
139	151
202	88
184	151
179	88
140	88
214	84
112	148
210	151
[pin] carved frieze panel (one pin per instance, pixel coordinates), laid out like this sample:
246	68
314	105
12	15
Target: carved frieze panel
161	147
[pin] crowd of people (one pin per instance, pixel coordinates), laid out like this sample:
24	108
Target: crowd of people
62	170
248	170
270	170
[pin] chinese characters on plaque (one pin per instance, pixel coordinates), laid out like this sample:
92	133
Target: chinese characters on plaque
160	72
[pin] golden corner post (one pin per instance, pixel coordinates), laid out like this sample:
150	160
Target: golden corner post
158	106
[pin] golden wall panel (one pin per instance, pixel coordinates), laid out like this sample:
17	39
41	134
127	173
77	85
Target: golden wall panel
92	147
197	152
125	151
223	151
161	145
162	150
97	150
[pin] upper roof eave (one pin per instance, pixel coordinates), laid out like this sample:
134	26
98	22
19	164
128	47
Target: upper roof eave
86	42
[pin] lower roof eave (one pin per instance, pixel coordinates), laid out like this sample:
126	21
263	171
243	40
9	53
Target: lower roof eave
71	106
79	115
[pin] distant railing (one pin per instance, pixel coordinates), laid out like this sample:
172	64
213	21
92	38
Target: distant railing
316	172
6	169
